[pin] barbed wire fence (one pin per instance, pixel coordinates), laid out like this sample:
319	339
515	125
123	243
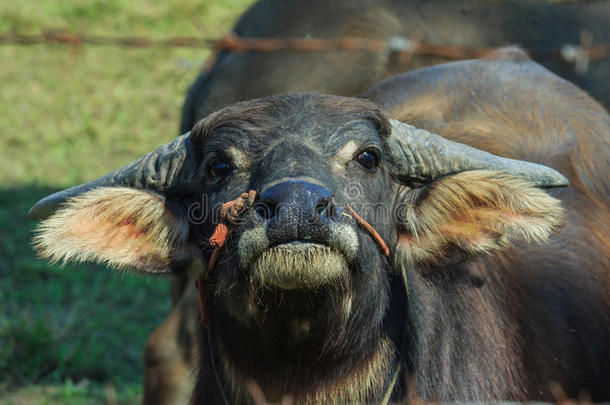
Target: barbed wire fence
579	54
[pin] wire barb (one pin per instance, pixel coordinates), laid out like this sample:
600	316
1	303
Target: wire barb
402	46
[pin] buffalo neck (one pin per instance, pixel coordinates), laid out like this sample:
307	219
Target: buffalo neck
313	346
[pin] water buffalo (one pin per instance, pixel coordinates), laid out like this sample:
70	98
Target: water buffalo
532	24
539	25
304	299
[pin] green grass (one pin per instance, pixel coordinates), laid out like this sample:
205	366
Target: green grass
67	115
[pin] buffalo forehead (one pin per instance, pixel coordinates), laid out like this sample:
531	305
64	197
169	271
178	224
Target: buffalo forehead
293	159
318	134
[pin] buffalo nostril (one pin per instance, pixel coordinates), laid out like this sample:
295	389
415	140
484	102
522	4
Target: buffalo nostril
265	210
293	199
325	208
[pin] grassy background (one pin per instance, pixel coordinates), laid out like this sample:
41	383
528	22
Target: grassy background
67	115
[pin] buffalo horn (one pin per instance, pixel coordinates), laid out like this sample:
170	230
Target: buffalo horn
167	170
417	154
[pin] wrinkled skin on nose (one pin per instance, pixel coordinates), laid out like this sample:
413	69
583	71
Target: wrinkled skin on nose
297	210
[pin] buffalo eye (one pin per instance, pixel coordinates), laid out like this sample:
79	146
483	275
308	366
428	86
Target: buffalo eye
367	159
219	169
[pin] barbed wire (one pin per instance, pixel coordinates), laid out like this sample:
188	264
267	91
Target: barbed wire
580	54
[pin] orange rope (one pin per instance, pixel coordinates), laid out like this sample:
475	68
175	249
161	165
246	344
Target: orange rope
204	309
230	213
367	227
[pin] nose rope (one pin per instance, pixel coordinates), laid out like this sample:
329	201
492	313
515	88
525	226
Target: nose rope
369	228
230	214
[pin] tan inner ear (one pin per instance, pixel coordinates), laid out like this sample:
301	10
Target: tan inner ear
120	227
475	212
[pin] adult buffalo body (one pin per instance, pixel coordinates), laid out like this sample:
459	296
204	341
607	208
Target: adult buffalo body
303	299
533	24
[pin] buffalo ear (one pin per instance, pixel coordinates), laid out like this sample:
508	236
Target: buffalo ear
472	213
122	227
